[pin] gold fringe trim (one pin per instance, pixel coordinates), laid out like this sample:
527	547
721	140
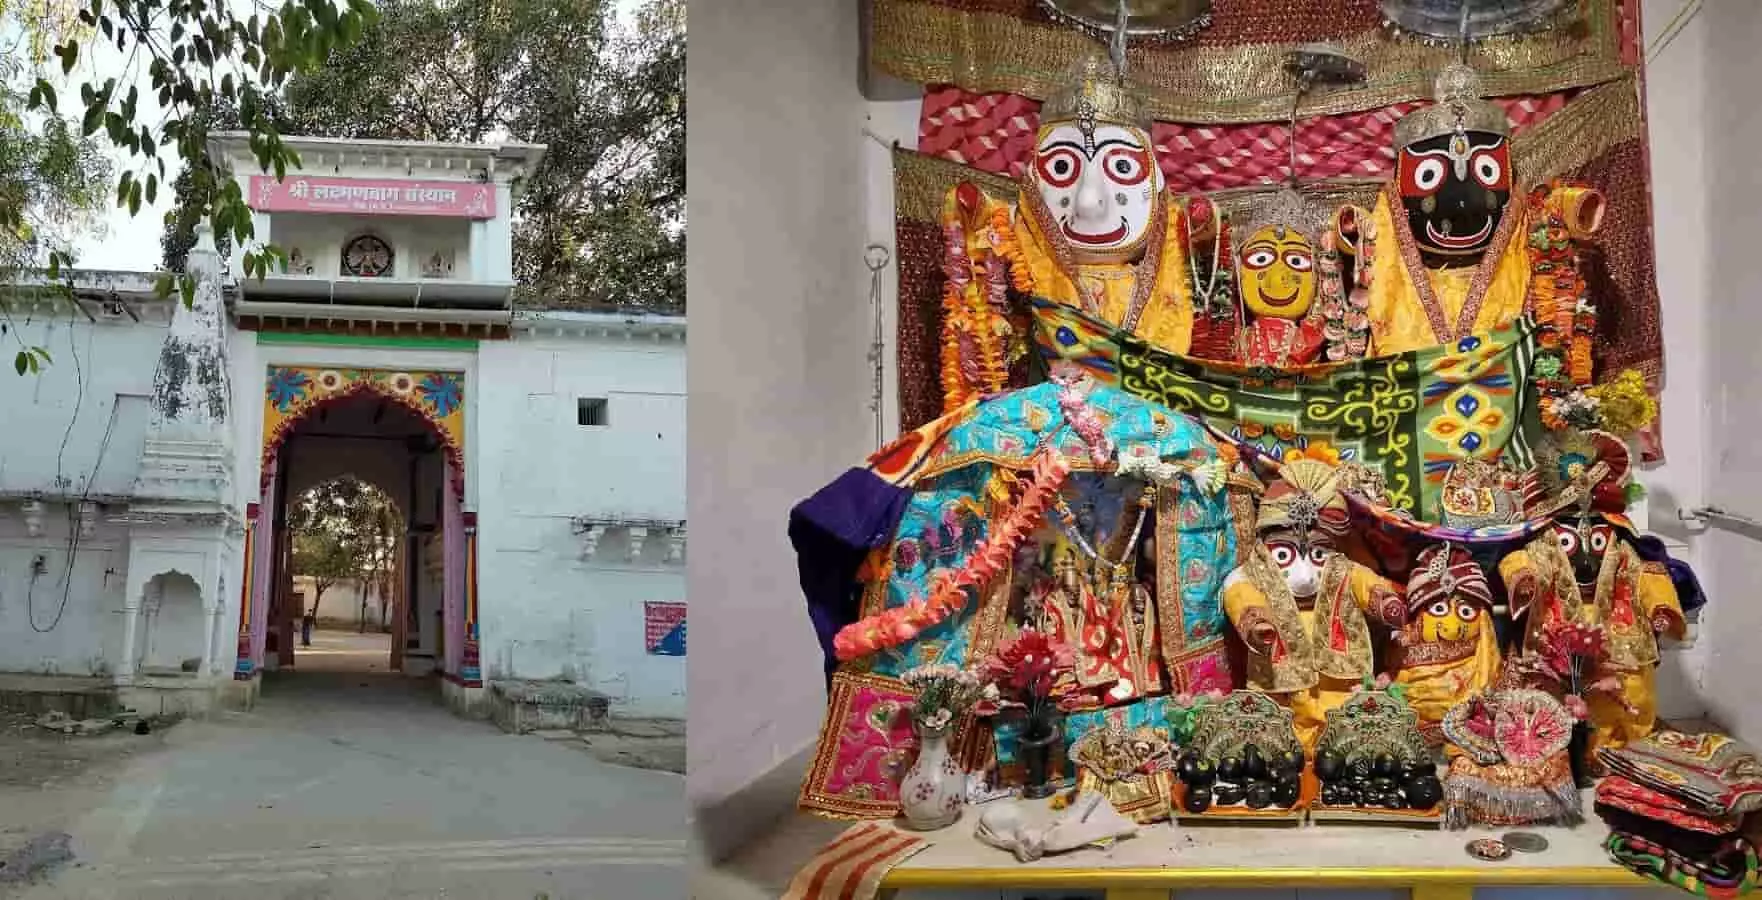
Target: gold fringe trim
1580	132
931	42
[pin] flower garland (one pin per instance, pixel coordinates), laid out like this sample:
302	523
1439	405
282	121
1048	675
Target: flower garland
893	627
975	306
1345	313
1565	317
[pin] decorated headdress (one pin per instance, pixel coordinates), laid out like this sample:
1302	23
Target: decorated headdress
1478	494
1582	469
1442	571
1096	93
1457	107
1305	497
1284	207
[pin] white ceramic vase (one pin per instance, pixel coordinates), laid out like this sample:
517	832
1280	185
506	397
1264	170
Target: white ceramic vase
934	789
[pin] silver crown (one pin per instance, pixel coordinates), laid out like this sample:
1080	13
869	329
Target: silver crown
1457	107
1285	208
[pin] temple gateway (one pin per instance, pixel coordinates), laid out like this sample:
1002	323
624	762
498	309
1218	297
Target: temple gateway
534	455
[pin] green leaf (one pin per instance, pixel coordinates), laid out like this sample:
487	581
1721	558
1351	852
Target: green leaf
93	119
21	362
47	92
152	188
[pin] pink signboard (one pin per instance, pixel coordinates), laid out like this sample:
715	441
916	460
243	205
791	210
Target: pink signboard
374	196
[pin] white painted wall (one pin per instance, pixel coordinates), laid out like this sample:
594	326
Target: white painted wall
320	240
778	382
94	397
1731	471
546	611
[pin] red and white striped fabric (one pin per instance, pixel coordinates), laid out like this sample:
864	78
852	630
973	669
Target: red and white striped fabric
852	866
995	133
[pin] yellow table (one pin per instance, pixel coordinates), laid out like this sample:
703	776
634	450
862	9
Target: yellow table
1433	864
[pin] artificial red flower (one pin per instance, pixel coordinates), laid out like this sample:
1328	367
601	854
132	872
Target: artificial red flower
1030	664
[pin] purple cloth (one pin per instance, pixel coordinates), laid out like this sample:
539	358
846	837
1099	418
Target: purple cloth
1688	587
832	532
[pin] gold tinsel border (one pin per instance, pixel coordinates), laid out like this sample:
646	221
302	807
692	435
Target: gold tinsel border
931	43
1584	129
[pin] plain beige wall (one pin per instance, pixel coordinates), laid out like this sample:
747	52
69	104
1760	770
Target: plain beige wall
778	387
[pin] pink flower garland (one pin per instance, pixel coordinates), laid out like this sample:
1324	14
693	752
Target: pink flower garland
896	626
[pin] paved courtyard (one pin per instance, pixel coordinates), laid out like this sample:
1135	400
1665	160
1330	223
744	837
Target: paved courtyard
355	784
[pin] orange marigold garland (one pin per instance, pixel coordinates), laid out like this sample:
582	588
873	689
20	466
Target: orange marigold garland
948	593
1565	317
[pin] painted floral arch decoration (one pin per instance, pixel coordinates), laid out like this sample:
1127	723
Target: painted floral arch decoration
293	393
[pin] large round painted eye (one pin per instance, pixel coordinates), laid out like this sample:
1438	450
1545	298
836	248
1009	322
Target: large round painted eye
1488	170
1568	541
1298	260
1600	539
1127	166
1284	555
1258	259
1439	609
1468	612
1318	555
1059	167
1428	175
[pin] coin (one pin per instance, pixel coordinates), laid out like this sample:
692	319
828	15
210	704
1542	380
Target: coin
1525	841
1488	849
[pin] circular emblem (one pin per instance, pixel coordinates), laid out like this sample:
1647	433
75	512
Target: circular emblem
1524	841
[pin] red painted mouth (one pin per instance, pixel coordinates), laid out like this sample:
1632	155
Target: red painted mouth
1277	302
1111	237
1466	242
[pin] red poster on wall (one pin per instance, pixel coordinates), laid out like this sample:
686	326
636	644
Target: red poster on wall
664	624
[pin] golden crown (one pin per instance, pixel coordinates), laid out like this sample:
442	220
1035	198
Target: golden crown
1457	106
1095	93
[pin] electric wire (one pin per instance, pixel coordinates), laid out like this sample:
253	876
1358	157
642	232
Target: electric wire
1684	14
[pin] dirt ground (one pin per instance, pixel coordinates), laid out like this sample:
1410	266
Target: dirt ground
47	781
639	743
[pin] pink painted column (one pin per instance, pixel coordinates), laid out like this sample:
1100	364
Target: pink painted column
453	576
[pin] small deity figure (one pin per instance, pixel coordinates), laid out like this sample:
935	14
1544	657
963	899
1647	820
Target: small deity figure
1091	227
1101	610
1278	280
1448	650
1584	569
1300	604
1444	252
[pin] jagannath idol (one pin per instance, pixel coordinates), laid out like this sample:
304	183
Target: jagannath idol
1446	249
1448	651
1091	228
1585	569
1301	605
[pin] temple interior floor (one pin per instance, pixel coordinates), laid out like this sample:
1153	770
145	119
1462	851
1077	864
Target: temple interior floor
357	784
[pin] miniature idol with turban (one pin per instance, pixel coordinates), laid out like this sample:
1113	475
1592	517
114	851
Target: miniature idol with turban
1301	605
1448	651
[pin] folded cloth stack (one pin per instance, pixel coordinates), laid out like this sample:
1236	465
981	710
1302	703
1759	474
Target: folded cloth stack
1675	804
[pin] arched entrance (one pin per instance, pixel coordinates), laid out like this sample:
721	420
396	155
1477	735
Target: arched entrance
347	590
402	432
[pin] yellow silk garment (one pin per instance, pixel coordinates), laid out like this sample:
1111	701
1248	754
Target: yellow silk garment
1398	320
1108	288
1437	676
1320	691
